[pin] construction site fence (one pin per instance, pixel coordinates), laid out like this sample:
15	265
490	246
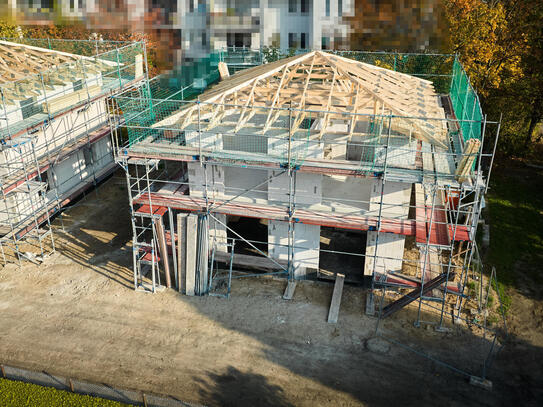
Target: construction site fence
132	397
39	98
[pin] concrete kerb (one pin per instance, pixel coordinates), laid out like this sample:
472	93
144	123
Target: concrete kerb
104	391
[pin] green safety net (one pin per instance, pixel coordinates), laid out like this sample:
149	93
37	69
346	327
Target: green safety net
167	94
465	103
433	67
164	95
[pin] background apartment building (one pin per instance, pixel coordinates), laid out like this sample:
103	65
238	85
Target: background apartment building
212	25
200	26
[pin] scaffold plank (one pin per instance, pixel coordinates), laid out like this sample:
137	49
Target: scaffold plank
257	262
163	251
405	227
400	280
333	313
148	255
420	214
436	225
145	209
342	221
310	165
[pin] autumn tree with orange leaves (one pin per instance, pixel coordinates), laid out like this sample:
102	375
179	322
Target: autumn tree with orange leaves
500	43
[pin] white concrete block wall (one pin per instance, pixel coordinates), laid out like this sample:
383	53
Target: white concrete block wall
234	180
57	134
102	153
197	180
390	248
239	179
62	177
19	206
349	191
70	172
306	243
77	168
388	254
249	143
308	188
306	237
217	232
302	147
396	197
205	141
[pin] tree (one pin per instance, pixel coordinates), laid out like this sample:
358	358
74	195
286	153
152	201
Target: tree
9	30
500	45
400	25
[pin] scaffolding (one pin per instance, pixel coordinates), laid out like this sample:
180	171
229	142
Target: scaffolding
54	130
399	157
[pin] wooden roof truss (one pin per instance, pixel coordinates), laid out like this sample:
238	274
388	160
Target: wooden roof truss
21	66
322	86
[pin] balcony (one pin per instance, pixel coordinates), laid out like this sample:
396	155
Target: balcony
224	22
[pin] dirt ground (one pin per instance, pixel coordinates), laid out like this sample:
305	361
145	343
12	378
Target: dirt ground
77	315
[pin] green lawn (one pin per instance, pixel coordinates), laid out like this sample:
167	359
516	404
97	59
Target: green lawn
15	394
515	215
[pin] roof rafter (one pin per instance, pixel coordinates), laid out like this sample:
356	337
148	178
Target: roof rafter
332	86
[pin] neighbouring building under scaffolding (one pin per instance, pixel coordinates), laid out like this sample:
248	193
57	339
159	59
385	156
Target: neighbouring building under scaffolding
54	129
318	165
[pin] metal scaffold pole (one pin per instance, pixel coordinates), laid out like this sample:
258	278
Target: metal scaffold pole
451	252
426	252
291	176
378	229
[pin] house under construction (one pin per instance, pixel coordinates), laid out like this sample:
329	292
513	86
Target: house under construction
54	129
319	165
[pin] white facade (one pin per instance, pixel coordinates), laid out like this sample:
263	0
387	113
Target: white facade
212	25
208	25
70	147
313	192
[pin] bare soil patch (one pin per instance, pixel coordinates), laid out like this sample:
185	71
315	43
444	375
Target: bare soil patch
77	315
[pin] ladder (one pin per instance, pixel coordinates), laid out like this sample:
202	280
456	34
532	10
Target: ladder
143	217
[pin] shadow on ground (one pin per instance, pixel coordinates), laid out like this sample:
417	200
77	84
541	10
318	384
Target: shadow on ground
236	388
295	336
